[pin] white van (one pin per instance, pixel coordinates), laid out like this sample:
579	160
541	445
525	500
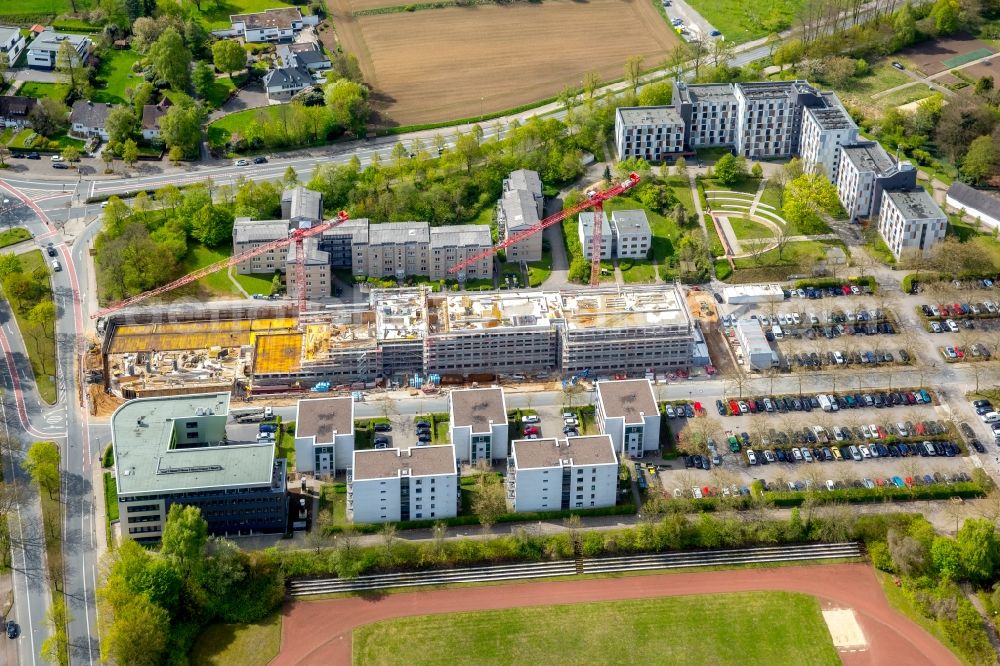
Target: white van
991	417
777	332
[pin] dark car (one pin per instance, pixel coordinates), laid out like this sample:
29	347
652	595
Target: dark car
978	446
718	297
34	156
50	250
381	440
721	406
260	159
424	437
60	165
423	424
383	427
13	629
689	461
689	411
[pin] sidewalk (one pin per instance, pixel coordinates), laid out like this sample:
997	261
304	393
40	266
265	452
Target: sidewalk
8	650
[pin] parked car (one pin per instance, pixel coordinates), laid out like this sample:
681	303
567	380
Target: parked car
383	427
13	629
260	159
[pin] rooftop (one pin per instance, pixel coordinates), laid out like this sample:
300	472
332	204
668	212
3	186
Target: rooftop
246	230
324	418
766	89
549	452
980	200
706	92
280	17
518	209
586	222
90	114
461	235
831	118
650	115
151	113
629	398
284	77
478	408
6	32
915	204
416	461
633	221
400	314
304	203
625	307
753	334
524	179
314	255
12	106
50	41
492	310
388	233
869	156
155	453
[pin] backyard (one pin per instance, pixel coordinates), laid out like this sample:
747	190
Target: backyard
115	76
667	630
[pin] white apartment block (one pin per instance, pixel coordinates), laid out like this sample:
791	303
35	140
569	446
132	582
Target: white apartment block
43	49
631	237
389	485
709	112
324	436
824	131
628	413
11	43
519	208
910	221
554	475
769	118
585	232
478	424
864	173
653	133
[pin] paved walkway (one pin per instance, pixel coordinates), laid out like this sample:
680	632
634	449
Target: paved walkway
320	632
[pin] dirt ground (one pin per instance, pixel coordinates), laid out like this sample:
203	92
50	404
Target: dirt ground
442	64
102	404
989	67
701	305
929	56
320	632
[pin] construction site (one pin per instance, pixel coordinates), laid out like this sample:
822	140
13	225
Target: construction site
399	337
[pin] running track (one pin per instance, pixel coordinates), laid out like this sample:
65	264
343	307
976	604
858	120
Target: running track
319	632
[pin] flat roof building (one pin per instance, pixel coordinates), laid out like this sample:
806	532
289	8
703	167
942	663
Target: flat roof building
552	475
178	450
585	230
478	424
911	222
324	436
978	204
631	237
628	413
864	173
654	133
756	349
390	485
824	131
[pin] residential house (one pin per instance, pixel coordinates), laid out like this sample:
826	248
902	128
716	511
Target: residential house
307	54
585	232
16	111
324	436
151	116
390	485
628	413
89	119
631	237
272	25
478	424
11	44
284	83
557	475
43	49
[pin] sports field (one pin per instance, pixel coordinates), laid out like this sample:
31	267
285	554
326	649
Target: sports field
937	55
744	628
458	62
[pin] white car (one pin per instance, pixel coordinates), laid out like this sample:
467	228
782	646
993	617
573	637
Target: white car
806	455
696	492
796	453
865	432
952	326
796	319
865	453
855	289
874	429
242	163
57	158
751	457
530	418
901	427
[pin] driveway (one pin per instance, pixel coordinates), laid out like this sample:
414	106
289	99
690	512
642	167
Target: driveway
31	74
251	96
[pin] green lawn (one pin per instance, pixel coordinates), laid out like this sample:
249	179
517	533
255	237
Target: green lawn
218	283
285	446
35	11
637	271
718	629
115	75
968	233
665	231
747	228
220	92
56	91
216	15
539	271
220	130
772	197
255	283
858	92
15	235
245	644
798	257
40	343
682	190
747	186
743	20
485	216
905	96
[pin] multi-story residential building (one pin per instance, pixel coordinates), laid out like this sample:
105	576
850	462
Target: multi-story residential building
11	44
709	113
824	131
519	208
324	436
627	412
43	49
176	450
389	485
478	424
249	234
300	204
654	133
453	244
318	274
910	221
585	232
631	237
864	173
271	25
553	475
770	117
307	54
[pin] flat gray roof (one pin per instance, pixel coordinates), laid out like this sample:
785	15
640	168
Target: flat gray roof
148	460
461	235
519	209
706	92
631	398
477	407
754	336
416	461
524	179
357	229
51	40
915	204
831	118
324	417
246	230
650	115
550	452
631	221
304	203
869	156
586	220
388	233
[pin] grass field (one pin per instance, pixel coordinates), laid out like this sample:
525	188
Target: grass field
244	644
56	91
634	271
35	11
904	96
458	62
796	257
858	92
218	283
692	630
12	236
40	343
539	271
115	75
220	130
742	20
255	283
215	15
747	228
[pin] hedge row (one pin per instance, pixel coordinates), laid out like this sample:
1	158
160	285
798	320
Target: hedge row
825	283
965	490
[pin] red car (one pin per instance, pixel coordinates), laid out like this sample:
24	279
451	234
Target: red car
531	430
846	289
734	408
944	310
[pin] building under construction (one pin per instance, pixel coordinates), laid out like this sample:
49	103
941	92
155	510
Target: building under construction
397	334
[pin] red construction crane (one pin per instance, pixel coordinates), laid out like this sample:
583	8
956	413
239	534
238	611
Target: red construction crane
297	236
594	200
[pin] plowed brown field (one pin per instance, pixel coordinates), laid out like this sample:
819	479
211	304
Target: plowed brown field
444	64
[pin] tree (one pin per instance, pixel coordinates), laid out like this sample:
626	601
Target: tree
43	316
910	556
348	103
981	161
202	79
633	71
229	56
71	154
171	59
42	463
790	52
9	263
839	70
49	117
138	633
72	70
730	169
946	15
904	27
946	558
56	645
121	123
180	126
984	85
130	152
212	225
656	94
176	155
290	178
757	171
977	548
490	500
806	198
184	537
680	167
